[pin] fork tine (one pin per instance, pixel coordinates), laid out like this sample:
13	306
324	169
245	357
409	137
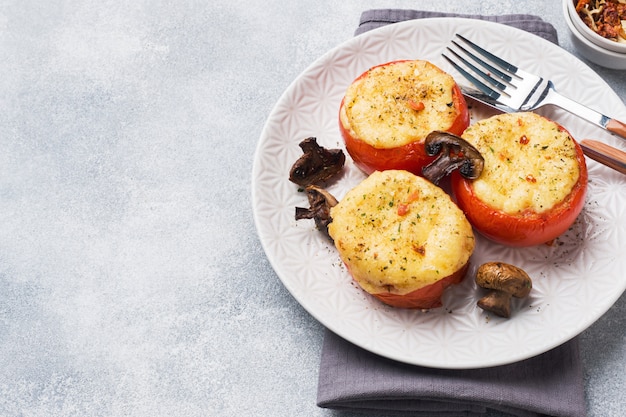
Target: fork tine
501	62
477	83
485	76
496	90
503	81
491	70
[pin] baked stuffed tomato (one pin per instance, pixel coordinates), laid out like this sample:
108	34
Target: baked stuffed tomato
388	111
402	238
533	182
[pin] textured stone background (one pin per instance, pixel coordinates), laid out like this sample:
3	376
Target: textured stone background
132	282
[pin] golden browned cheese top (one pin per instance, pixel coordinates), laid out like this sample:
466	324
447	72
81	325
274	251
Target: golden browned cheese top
530	162
398	232
397	103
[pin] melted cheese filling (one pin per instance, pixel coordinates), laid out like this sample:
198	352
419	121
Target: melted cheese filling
385	110
397	232
530	163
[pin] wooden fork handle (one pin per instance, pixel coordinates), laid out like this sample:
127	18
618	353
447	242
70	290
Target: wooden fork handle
617	127
605	154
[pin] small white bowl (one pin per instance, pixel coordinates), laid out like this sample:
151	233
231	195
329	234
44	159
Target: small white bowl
594	53
588	33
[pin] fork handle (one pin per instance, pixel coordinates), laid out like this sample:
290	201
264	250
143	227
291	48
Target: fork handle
617	127
580	110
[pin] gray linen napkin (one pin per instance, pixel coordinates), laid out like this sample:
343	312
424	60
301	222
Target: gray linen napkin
354	379
372	19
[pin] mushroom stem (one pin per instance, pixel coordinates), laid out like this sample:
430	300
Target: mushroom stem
442	167
498	302
454	153
320	201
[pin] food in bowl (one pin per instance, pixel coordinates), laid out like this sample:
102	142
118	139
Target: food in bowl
402	238
533	183
607	18
590	45
388	111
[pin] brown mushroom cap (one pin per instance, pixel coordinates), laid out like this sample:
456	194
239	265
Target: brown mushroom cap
454	153
504	277
317	164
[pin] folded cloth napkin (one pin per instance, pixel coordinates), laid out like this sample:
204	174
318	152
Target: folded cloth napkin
353	379
372	19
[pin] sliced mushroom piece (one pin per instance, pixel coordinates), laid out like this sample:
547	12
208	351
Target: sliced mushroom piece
320	201
505	281
318	164
454	153
497	302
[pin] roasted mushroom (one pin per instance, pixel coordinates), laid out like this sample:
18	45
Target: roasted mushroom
318	164
505	281
454	153
320	202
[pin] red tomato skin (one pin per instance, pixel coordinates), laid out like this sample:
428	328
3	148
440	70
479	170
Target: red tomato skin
426	297
411	157
528	228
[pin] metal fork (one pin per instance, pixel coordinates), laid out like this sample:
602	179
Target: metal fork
517	89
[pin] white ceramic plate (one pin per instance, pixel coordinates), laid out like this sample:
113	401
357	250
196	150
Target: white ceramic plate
575	281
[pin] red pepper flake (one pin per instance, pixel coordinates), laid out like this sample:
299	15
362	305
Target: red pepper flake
417	106
524	140
414	196
531	179
403	209
419	249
